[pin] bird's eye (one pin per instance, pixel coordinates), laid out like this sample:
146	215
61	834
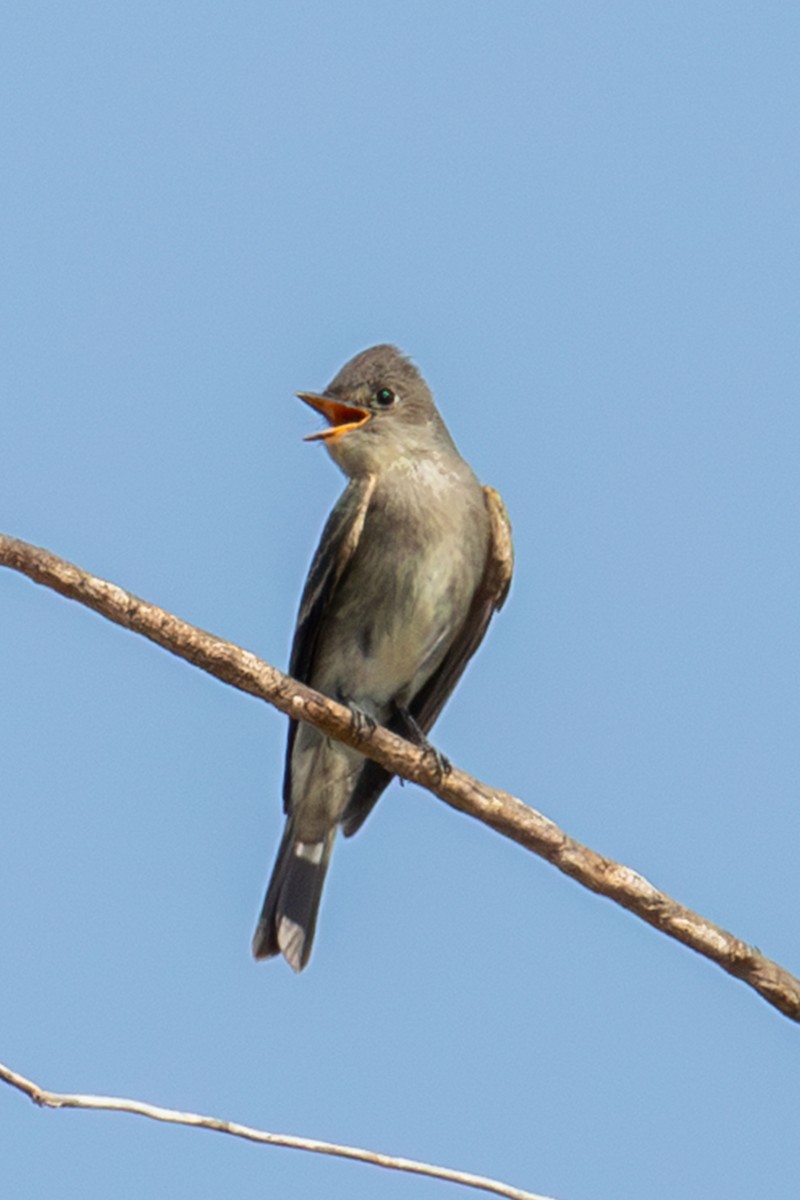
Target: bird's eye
385	398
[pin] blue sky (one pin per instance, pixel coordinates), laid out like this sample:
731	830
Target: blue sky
581	221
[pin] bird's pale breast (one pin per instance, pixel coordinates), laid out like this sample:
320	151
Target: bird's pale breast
409	587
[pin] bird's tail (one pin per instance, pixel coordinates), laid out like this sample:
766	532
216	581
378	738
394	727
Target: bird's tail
289	916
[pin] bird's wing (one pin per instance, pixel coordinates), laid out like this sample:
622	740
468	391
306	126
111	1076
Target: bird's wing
334	554
425	707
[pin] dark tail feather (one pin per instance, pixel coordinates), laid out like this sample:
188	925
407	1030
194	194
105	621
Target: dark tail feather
289	916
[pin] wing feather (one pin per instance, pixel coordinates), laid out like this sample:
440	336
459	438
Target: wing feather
334	554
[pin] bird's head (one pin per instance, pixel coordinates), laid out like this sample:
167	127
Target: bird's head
378	408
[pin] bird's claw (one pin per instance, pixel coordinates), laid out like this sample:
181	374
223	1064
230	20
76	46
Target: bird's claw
416	734
441	765
362	724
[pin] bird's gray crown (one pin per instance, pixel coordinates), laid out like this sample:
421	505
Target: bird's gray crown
379	366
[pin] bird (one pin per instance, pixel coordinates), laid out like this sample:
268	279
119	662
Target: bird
415	558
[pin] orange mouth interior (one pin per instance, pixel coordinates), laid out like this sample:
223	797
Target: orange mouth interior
342	417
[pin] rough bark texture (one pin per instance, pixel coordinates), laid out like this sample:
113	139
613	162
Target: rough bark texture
501	811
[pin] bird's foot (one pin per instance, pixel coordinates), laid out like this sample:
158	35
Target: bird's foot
414	732
441	764
362	724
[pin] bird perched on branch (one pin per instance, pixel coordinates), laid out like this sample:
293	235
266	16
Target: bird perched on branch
413	561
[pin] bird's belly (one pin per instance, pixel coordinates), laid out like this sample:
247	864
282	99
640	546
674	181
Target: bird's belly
382	653
401	662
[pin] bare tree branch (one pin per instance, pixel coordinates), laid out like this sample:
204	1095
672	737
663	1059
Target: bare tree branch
501	811
172	1116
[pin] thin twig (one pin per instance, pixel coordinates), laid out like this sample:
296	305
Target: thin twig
501	811
172	1116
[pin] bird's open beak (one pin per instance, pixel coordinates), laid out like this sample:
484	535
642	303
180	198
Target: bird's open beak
341	417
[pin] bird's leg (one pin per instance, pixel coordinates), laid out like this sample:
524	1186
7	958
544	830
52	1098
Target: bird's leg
412	730
363	724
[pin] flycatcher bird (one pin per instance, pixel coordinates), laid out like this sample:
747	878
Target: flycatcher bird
413	561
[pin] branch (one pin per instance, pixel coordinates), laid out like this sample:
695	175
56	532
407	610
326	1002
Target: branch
499	810
155	1112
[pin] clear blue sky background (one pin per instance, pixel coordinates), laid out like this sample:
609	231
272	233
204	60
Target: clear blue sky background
582	222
